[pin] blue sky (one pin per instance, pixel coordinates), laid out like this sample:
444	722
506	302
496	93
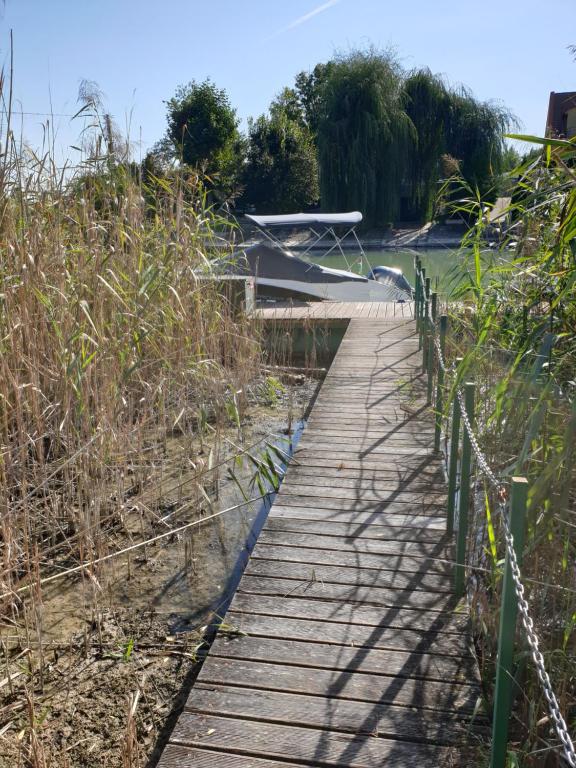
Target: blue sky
139	51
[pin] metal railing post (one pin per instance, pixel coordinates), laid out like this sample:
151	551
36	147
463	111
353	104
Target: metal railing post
453	462
439	405
423	299
434	306
464	501
431	350
426	324
417	292
507	632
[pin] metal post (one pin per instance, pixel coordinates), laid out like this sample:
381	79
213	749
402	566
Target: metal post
453	464
434	305
464	501
508	614
426	325
417	291
423	299
431	356
439	405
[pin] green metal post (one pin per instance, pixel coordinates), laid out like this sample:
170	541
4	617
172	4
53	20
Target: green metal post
453	463
431	350
440	385
426	324
423	299
417	292
508	614
464	501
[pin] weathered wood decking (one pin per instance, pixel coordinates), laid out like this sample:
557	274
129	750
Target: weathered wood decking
318	311
354	654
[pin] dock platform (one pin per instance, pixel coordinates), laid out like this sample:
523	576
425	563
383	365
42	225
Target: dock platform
322	311
348	648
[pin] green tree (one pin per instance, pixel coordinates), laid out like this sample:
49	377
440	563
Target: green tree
281	171
308	88
203	133
288	103
364	136
475	136
426	101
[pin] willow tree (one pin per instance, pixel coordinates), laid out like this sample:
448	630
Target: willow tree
452	122
475	136
427	104
364	135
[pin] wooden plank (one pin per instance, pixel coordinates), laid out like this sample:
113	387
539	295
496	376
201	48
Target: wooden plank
423	666
358	717
352	593
345	613
402	493
349	568
360	517
304	476
460	698
320	546
313	746
177	756
383	508
381	532
355	636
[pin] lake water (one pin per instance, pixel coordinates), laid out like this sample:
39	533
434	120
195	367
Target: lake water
438	262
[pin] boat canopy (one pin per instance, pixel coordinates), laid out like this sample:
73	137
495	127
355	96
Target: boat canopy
307	219
321	225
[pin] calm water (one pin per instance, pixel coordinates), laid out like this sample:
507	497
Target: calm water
438	262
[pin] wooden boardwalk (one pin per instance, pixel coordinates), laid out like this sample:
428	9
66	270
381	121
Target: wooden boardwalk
353	650
320	311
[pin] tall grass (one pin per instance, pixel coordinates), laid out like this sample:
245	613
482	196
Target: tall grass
112	338
514	322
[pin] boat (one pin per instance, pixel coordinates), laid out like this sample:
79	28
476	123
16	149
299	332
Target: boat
279	273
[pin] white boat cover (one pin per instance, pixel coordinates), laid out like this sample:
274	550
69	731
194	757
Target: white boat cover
307	219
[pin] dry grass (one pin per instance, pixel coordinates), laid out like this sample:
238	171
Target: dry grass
111	346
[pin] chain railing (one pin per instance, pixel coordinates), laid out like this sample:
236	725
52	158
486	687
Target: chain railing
512	500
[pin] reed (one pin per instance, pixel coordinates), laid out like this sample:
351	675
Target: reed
513	314
114	341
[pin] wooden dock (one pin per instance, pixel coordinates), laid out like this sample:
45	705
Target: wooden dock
350	650
321	311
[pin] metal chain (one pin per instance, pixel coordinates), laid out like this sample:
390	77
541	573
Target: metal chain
527	622
485	468
535	652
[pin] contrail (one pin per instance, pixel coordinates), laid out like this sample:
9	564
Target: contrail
306	17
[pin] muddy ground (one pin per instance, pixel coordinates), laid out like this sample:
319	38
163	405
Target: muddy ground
95	672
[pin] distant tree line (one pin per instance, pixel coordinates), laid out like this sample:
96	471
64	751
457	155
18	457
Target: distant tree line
357	132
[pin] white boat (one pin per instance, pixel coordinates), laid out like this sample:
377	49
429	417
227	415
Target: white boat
278	272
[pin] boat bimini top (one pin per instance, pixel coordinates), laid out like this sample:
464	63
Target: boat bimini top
320	224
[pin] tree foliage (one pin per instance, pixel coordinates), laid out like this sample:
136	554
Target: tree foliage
203	132
364	135
475	136
426	101
308	87
368	134
382	133
281	172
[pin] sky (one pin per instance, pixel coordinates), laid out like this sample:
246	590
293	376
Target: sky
139	51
